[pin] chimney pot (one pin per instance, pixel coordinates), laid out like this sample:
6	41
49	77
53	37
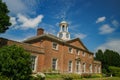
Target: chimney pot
40	31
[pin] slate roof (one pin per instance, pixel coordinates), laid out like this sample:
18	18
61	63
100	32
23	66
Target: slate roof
26	46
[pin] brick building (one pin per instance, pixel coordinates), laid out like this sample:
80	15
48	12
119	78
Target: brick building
58	53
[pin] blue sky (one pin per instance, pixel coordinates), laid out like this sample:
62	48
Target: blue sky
95	22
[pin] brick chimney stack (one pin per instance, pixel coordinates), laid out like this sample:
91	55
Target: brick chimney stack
40	31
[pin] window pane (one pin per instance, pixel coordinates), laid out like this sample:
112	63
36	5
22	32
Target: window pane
78	66
70	66
78	52
90	68
55	45
84	67
70	49
54	64
33	59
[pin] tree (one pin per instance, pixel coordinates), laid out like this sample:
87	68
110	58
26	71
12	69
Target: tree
15	63
99	55
112	58
108	58
115	71
4	18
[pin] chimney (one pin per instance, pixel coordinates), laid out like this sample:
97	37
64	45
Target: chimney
40	31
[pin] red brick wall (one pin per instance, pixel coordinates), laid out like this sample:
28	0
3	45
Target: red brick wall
63	56
77	44
44	61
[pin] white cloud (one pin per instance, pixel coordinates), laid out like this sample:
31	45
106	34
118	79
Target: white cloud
115	23
106	29
13	21
29	22
80	35
101	19
111	44
23	22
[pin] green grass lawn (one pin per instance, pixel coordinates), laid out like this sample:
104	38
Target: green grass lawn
106	78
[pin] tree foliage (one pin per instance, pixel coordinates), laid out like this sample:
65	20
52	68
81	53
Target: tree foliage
115	71
4	18
108	58
15	63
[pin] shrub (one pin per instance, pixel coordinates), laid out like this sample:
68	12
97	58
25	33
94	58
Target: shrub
53	76
86	75
71	76
117	74
76	76
38	76
15	62
115	71
96	75
67	77
3	77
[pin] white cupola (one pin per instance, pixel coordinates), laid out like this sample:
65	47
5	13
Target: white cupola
63	33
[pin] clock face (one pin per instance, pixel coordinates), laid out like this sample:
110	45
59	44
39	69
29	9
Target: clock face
67	35
60	35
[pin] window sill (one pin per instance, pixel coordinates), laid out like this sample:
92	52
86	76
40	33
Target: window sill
55	49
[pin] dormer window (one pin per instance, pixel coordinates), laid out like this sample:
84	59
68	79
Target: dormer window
55	46
70	50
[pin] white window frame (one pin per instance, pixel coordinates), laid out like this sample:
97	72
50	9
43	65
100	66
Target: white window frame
90	67
34	64
84	67
99	69
95	69
77	52
70	49
56	47
77	66
83	53
56	64
70	66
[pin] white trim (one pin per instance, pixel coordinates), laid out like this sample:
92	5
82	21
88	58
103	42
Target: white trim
83	54
79	67
36	61
56	46
77	51
69	50
90	68
56	63
99	69
84	67
71	65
